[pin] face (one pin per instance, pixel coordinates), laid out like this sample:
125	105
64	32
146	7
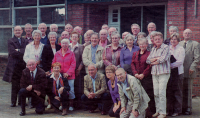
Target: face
42	28
94	40
143	45
187	35
140	36
135	30
18	31
174	41
86	39
52	39
111	30
158	41
65	35
103	35
37	37
64	45
109	74
92	71
172	31
74	38
31	65
129	41
56	69
78	30
68	28
28	29
151	27
121	76
124	35
105	27
54	28
151	37
115	39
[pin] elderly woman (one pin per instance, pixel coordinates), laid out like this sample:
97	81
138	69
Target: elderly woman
127	53
159	59
150	46
78	51
142	71
58	88
112	85
139	36
68	64
87	37
103	34
34	49
172	30
111	54
175	83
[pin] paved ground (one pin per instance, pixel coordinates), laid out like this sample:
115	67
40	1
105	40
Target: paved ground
9	112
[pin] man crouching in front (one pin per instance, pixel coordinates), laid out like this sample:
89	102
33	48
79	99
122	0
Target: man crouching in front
134	99
33	83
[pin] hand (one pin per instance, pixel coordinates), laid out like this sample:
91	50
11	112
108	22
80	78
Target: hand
115	108
65	75
60	91
29	88
57	98
123	109
153	60
135	113
37	92
154	63
47	73
141	76
92	95
17	50
190	72
136	75
77	72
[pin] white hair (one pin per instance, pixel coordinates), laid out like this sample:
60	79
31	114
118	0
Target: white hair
68	24
77	27
36	31
52	25
93	65
143	39
102	31
151	23
65	40
42	24
135	25
115	33
52	33
129	35
28	24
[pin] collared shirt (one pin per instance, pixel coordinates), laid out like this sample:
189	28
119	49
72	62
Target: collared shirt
94	49
179	54
124	86
30	39
103	44
72	48
57	82
163	54
93	82
34	73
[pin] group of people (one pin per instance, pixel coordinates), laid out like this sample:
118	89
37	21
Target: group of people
137	76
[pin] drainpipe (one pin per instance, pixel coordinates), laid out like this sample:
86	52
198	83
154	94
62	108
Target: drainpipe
195	8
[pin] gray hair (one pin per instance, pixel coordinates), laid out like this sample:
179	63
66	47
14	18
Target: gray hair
36	31
174	27
52	33
115	33
129	35
113	28
188	30
93	65
28	24
65	40
77	27
87	32
31	59
52	25
142	33
69	24
95	34
151	23
143	39
135	25
120	69
103	30
42	24
153	33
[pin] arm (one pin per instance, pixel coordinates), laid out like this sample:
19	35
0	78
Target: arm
103	86
41	82
23	80
180	59
72	67
122	58
105	61
26	54
12	51
85	57
164	56
86	91
148	61
66	84
100	63
196	57
147	70
122	97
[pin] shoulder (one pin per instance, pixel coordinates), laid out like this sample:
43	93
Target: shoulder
86	77
88	47
100	75
195	43
40	70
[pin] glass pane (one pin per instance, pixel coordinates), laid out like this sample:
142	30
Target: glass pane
21	3
53	15
115	20
24	33
5	34
130	15
154	14
4	17
60	30
4	3
24	16
50	2
115	15
115	11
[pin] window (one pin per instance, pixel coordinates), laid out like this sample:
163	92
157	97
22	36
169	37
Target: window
4	17
24	16
22	3
5	34
4	3
50	2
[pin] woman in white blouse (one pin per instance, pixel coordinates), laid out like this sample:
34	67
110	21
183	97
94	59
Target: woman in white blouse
175	83
34	49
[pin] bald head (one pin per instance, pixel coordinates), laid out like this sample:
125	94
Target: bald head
111	30
31	64
187	34
43	28
151	27
69	28
78	29
53	28
18	31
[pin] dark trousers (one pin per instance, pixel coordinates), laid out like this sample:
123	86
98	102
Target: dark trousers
174	94
112	114
91	103
37	101
64	99
78	88
14	91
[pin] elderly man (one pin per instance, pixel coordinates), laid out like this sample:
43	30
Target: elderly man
103	38
151	27
134	99
172	29
106	27
43	28
135	28
28	29
69	28
54	28
64	35
81	38
92	54
192	54
110	31
33	84
95	90
16	48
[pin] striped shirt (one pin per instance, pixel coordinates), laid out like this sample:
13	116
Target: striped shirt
164	60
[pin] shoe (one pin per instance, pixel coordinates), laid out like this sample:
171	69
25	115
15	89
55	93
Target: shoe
91	111
71	108
103	113
155	115
64	113
175	114
22	113
13	105
162	116
60	108
188	113
49	106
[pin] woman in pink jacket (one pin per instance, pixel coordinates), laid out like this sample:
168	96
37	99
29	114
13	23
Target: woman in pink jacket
68	64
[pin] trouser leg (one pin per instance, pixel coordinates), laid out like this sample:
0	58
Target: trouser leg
23	93
190	84
38	102
64	99
156	91
105	99
14	91
126	114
